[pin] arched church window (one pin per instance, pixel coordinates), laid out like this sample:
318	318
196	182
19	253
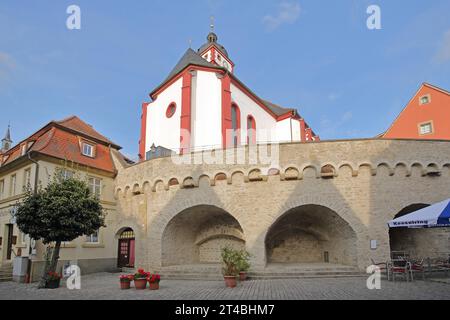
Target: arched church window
251	130
235	123
171	110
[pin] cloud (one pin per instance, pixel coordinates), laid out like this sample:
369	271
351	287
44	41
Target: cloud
333	96
7	64
335	128
6	61
443	54
288	13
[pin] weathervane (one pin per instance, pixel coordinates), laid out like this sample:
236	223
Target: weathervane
211	26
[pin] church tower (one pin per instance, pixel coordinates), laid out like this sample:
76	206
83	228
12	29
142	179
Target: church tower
6	141
214	52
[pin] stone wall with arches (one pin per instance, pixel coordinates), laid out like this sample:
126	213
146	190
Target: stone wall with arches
365	182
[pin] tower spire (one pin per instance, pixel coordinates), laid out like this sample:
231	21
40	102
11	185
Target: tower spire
8	132
211	26
6	141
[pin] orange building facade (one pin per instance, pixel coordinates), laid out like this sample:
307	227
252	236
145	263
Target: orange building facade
426	116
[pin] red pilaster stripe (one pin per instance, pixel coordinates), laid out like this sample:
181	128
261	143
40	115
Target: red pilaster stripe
226	110
186	92
142	140
302	130
309	136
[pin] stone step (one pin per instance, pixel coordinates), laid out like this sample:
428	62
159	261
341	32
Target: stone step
128	270
6	268
262	275
5	278
305	275
192	276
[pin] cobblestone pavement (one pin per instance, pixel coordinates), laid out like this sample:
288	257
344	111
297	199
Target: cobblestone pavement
106	286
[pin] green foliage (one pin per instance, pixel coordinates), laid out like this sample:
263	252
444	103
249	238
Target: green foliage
230	259
243	261
62	211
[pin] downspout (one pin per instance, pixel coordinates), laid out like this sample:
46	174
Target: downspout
36	177
36	180
292	137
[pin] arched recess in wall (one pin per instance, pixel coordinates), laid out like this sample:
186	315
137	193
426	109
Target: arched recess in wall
413	242
196	236
235	124
311	234
251	130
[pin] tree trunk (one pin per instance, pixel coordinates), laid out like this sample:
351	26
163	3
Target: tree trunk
55	257
43	280
50	264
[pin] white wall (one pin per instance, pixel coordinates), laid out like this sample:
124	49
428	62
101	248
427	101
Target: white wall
206	116
163	131
284	130
265	123
206	110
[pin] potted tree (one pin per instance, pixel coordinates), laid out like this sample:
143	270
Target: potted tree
230	270
53	280
153	281
140	279
243	264
62	211
125	281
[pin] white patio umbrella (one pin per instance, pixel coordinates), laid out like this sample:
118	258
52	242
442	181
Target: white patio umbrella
437	215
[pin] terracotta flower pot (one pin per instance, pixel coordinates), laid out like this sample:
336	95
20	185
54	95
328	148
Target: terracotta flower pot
140	284
52	284
242	276
230	281
125	285
153	285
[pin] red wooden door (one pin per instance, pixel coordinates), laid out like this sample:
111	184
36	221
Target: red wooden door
131	256
124	253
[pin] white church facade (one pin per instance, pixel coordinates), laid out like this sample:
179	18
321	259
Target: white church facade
202	105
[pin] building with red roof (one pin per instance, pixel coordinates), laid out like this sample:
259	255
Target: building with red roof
426	116
71	147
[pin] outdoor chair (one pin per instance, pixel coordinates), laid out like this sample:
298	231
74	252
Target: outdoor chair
444	265
400	267
383	267
417	266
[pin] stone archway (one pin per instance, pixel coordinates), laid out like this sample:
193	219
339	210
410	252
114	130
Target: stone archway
311	234
197	234
415	242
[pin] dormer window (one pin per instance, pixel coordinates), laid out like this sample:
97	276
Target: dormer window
87	149
23	149
426	99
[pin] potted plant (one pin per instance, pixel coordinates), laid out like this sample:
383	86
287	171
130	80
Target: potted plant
230	259
125	281
243	264
140	279
53	280
153	281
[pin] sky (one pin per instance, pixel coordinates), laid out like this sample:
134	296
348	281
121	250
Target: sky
314	55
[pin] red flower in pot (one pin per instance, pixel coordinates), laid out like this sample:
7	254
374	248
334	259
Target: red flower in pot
125	281
140	279
153	281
